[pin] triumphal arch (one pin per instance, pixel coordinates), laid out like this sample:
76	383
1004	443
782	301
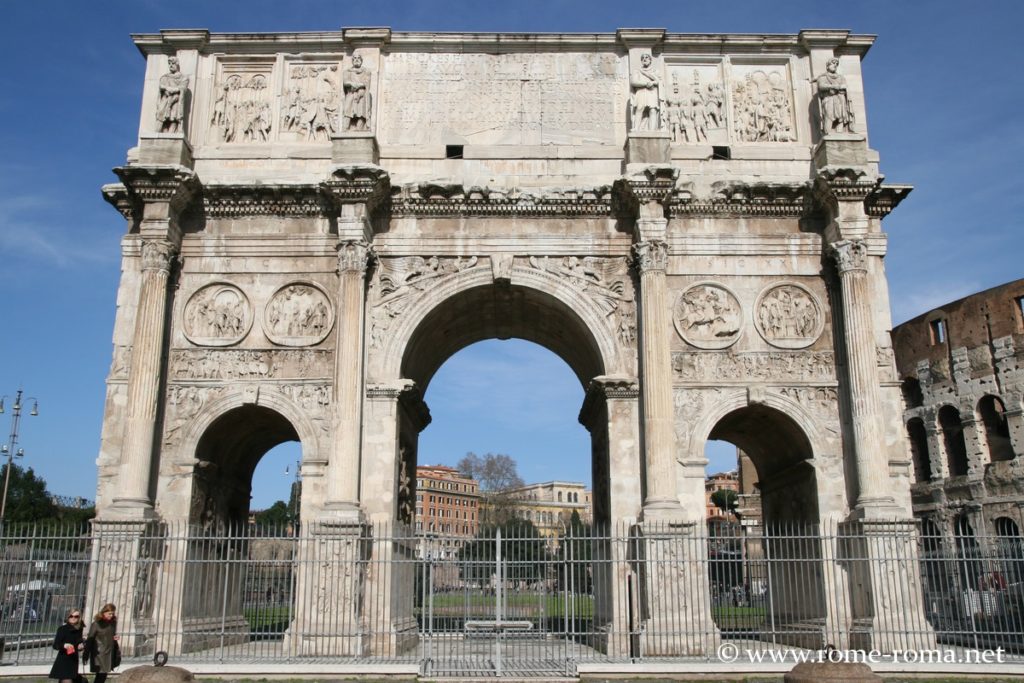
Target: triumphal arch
315	222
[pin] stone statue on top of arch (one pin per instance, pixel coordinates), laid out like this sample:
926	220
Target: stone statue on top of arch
645	99
833	101
357	107
170	109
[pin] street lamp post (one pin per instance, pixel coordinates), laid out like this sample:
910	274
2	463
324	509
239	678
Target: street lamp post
12	442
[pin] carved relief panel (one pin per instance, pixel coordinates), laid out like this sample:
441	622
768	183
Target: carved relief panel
788	316
708	316
695	106
241	109
311	101
298	314
762	103
217	315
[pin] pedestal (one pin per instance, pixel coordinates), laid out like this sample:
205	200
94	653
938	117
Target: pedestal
841	150
649	147
164	149
329	588
674	591
355	148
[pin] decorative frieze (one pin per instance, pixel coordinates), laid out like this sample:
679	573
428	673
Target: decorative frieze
454	199
242	201
734	198
781	366
239	364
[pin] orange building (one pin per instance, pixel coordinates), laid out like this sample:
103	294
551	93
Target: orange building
447	502
716	482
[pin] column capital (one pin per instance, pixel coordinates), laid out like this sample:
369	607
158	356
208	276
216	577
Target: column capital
849	255
354	256
650	256
158	255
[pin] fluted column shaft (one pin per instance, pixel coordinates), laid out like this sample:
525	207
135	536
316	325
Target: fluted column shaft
872	469
343	466
144	375
656	381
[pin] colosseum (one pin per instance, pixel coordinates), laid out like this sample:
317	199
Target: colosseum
963	384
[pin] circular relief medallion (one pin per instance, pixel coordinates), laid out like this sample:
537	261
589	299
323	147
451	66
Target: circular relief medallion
788	316
299	314
217	315
708	316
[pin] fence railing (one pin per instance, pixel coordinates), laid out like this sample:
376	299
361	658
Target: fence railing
511	600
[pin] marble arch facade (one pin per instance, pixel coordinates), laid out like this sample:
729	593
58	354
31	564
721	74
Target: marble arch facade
300	205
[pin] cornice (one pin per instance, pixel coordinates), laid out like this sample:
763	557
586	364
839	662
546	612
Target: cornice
175	185
453	199
358	184
881	202
117	196
745	199
238	201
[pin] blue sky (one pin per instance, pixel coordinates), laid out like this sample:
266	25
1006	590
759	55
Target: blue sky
944	103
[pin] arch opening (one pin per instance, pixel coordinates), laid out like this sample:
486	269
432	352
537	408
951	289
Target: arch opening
953	438
770	543
919	449
997	430
227	455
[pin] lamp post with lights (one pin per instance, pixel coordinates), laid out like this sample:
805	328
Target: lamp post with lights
9	448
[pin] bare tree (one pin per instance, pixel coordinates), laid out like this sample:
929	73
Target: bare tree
497	475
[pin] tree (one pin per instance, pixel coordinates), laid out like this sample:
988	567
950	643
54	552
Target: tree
277	514
27	497
524	554
576	552
498	476
725	500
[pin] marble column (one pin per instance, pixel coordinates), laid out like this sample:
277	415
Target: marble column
343	466
851	257
656	382
144	377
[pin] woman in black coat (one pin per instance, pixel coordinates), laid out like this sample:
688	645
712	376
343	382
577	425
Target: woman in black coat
68	643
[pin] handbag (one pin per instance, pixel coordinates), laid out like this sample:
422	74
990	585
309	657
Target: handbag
115	656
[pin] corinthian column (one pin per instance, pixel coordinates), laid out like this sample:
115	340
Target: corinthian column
651	259
851	259
343	467
144	377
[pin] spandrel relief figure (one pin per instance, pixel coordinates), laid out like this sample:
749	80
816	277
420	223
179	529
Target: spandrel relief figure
708	316
761	108
645	102
298	315
833	101
170	109
358	105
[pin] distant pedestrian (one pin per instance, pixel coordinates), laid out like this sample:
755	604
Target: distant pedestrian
67	643
104	653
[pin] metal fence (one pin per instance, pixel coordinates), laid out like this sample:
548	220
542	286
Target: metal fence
510	601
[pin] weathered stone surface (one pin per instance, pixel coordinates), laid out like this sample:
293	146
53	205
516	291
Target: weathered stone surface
316	223
156	674
837	672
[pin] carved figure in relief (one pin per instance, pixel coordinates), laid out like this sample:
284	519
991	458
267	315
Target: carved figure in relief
833	101
788	316
358	105
241	111
312	104
706	313
714	104
297	315
645	101
675	114
170	106
217	315
762	109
